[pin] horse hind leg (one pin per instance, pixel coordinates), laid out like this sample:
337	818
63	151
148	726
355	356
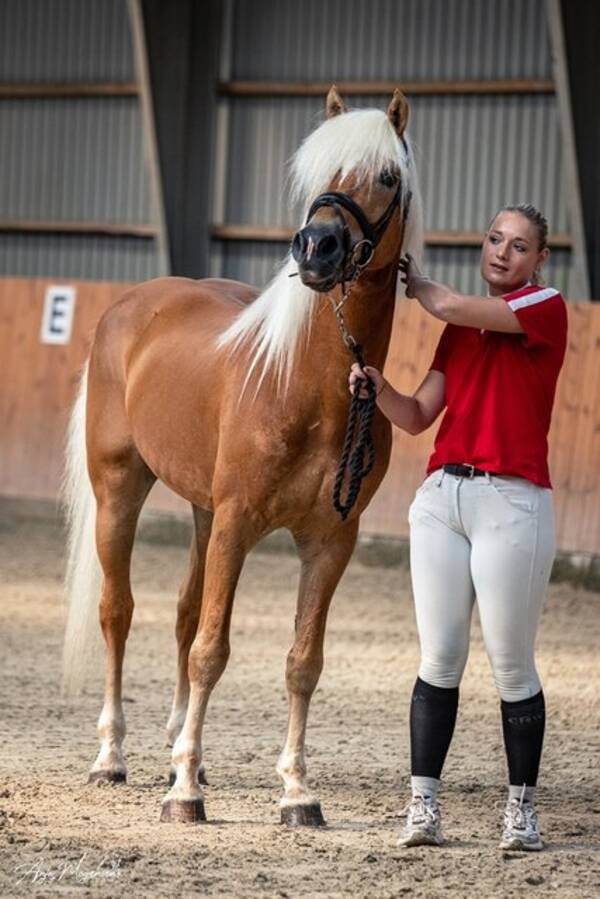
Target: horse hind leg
121	483
188	615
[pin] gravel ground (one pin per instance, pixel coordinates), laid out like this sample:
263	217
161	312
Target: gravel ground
59	836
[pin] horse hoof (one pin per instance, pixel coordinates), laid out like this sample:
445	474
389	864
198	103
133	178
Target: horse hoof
201	778
183	811
107	777
302	815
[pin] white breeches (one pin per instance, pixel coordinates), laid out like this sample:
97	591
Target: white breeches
486	538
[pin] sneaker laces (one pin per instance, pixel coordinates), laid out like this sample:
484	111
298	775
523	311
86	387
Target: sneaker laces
420	810
519	814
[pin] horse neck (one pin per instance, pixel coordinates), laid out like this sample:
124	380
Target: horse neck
368	313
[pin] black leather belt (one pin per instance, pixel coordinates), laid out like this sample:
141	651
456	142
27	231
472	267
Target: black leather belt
461	470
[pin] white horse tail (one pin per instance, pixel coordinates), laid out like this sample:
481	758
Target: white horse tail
83	576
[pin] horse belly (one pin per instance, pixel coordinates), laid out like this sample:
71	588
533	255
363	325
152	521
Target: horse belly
176	440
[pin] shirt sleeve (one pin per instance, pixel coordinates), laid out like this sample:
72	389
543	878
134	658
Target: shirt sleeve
542	315
440	357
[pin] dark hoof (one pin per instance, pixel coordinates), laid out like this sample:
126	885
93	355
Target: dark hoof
183	811
107	777
201	778
302	815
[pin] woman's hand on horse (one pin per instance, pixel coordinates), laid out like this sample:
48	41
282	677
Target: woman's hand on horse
409	274
359	375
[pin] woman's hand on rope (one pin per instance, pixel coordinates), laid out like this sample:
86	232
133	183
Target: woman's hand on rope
409	274
358	377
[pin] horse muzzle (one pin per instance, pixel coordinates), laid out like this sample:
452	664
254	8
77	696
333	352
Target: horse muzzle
320	251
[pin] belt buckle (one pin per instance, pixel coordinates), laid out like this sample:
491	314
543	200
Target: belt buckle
471	474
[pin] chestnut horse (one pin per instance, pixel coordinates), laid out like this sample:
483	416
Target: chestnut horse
238	401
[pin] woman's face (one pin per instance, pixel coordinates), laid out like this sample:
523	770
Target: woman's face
510	253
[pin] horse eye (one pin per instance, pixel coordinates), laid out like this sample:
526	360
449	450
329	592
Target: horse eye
388	178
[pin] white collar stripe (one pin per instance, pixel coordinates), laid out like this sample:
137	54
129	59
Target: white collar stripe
531	299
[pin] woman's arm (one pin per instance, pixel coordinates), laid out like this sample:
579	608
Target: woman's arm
489	313
411	413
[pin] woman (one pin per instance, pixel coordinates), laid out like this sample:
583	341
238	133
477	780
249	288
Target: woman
481	524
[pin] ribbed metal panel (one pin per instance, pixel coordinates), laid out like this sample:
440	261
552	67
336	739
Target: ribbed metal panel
65	40
476	154
248	261
263	135
397	39
73	159
74	256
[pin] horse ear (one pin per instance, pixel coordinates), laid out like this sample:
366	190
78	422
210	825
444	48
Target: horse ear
398	112
335	105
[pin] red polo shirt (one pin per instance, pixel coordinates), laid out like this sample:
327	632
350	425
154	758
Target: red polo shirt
500	389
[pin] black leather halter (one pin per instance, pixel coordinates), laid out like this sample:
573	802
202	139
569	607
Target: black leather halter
361	253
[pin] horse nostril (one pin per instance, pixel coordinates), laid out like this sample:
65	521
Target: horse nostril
298	246
327	246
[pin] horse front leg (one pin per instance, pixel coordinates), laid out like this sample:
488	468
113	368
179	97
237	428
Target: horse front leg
323	563
208	656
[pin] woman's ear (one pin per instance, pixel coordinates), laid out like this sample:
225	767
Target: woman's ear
537	273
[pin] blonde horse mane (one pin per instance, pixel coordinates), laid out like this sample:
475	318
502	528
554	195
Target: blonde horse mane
362	142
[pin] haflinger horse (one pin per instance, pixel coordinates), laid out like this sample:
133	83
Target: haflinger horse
238	401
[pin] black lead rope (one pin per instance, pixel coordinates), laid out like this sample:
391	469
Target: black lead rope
359	461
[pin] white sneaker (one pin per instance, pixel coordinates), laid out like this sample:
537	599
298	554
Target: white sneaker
423	823
521	831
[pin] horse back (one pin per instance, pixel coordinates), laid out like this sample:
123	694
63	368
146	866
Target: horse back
212	301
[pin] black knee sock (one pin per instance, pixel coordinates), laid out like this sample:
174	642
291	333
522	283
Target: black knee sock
432	719
523	726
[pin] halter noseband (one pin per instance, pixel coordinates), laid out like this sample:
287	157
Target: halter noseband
371	232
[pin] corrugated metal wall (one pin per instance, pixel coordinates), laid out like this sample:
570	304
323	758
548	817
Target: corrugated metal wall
72	159
65	40
475	153
361	40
